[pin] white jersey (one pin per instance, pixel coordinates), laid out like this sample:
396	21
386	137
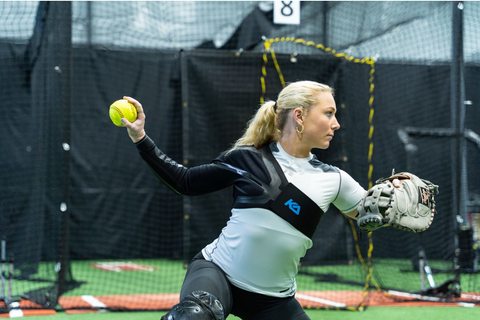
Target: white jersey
255	239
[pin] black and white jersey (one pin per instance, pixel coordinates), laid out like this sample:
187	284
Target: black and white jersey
258	249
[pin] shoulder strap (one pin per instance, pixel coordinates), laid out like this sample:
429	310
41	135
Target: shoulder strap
272	165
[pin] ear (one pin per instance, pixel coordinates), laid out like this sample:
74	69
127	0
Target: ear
298	115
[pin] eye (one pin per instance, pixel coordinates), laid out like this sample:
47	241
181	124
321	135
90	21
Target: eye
329	114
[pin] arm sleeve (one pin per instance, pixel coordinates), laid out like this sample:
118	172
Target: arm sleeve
186	181
350	193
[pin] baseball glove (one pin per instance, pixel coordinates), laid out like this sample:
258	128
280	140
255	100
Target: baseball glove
410	207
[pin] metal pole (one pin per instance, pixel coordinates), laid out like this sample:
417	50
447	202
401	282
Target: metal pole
457	99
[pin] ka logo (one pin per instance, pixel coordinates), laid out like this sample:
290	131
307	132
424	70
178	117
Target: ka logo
295	207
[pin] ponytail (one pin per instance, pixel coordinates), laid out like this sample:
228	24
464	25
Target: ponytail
261	129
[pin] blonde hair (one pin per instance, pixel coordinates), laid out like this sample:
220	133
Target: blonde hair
268	122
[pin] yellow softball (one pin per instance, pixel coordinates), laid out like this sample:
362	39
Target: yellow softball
122	109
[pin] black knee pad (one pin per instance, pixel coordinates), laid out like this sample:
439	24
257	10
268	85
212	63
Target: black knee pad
199	305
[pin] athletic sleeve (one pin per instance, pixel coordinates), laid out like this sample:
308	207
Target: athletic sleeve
196	180
350	193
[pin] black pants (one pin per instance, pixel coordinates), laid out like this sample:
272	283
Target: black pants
205	275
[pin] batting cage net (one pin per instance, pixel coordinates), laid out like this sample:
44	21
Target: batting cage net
85	225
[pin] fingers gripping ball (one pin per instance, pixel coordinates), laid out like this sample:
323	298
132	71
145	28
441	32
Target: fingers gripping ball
122	109
410	206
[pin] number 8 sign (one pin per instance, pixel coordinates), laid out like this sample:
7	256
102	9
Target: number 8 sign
286	12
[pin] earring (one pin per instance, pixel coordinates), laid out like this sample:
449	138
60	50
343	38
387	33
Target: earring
300	131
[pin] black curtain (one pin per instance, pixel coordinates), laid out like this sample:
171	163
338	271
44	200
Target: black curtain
197	104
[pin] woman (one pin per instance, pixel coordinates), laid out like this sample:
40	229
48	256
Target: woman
281	191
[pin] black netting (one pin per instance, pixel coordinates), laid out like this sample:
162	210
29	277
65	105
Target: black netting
82	215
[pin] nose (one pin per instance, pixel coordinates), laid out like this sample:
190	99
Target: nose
335	124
